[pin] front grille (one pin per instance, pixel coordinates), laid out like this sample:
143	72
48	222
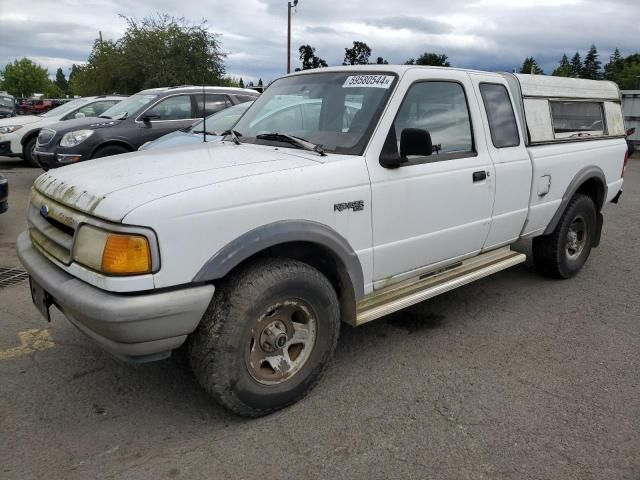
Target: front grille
46	135
52	226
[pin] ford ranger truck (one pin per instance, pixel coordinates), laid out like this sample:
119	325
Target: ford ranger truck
376	188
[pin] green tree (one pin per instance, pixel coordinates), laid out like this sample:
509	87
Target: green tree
576	65
309	58
613	69
260	83
629	77
591	67
52	90
564	67
61	81
357	55
23	78
381	61
157	51
530	66
431	59
241	83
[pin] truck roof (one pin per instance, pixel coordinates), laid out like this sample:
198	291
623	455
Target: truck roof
531	85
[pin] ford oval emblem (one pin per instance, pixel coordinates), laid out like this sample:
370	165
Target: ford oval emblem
44	211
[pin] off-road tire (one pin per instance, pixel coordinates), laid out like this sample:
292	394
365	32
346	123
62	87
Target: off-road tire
550	254
27	150
217	348
110	150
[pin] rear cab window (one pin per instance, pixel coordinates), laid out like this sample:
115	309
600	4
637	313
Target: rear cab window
500	114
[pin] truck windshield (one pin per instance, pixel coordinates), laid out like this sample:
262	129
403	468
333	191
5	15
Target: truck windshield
335	110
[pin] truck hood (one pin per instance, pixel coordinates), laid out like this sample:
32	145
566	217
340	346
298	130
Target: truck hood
111	187
20	120
179	137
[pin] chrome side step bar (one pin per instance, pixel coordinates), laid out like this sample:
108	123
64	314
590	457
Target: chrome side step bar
415	290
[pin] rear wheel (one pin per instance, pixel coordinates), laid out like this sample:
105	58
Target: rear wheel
267	337
27	152
563	253
110	150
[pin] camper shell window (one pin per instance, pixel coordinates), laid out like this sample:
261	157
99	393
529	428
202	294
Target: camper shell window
576	119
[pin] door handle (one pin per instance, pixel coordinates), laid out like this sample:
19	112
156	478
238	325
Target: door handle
479	176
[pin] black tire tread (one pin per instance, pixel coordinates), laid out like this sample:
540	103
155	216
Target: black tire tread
546	248
240	289
26	152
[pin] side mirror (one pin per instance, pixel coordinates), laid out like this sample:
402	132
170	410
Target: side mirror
147	119
79	115
415	141
389	157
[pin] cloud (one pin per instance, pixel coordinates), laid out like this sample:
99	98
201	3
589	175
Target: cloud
414	23
483	34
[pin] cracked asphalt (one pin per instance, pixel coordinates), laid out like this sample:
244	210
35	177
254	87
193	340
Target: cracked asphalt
512	377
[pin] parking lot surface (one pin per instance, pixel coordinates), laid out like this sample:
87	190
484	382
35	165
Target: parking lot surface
512	377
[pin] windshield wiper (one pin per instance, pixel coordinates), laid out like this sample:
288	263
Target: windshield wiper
203	131
235	136
122	116
104	116
298	142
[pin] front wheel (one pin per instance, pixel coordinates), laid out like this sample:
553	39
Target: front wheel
28	152
564	252
267	337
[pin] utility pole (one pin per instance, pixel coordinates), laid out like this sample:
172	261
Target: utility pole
289	7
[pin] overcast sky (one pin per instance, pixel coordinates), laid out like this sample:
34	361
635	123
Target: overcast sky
483	34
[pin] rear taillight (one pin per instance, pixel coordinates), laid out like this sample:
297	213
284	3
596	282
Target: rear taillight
626	160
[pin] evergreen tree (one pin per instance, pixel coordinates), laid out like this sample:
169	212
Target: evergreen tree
591	67
241	83
260	83
61	81
576	65
613	69
381	61
564	68
530	66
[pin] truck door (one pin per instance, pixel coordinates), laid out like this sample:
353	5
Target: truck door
436	209
506	146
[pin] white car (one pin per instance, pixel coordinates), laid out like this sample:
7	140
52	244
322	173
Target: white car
397	184
18	135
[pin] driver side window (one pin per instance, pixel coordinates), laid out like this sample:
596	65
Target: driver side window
441	109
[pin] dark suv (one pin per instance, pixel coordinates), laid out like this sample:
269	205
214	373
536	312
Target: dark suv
142	117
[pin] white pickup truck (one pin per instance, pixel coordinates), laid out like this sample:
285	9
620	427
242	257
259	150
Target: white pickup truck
342	195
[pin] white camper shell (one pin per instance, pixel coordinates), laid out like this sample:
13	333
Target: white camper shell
567	109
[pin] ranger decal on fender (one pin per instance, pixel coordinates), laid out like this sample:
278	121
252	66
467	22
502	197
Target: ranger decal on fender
356	206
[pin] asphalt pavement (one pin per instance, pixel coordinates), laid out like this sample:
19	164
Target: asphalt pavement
512	377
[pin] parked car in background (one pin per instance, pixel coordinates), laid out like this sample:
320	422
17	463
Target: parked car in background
34	106
7	105
18	135
402	183
4	194
143	117
209	129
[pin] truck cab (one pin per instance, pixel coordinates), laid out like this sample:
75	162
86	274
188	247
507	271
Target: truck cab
341	195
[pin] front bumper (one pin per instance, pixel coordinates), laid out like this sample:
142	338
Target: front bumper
9	148
48	160
139	327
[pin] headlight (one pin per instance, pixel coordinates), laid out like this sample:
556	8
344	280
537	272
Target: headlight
112	253
10	128
72	139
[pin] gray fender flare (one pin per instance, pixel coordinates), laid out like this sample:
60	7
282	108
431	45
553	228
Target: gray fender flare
582	176
272	234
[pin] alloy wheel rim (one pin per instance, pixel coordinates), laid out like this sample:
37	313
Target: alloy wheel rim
280	342
576	238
